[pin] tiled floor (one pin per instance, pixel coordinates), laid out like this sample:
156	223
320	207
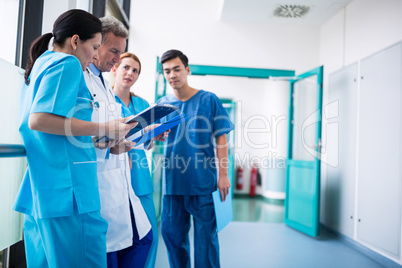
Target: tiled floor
258	238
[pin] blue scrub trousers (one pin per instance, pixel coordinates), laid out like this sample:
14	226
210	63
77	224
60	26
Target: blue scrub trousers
74	241
176	211
147	202
133	256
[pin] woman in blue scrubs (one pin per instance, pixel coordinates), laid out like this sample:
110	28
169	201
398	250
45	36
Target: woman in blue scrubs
126	74
59	194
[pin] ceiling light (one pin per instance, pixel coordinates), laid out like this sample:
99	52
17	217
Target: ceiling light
291	11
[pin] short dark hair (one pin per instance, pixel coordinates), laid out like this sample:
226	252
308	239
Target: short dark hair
173	53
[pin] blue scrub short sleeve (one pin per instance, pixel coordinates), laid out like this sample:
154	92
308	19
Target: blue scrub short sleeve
222	123
58	90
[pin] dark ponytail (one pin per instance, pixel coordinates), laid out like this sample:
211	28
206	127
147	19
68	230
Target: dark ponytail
38	46
74	21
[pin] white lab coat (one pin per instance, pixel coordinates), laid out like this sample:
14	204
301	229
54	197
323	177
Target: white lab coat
114	177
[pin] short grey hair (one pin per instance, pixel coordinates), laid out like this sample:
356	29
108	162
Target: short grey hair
113	25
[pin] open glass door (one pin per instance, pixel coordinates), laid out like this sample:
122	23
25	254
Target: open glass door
230	107
157	153
302	203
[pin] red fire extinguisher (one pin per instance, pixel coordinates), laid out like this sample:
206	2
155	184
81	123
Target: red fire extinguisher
239	178
253	180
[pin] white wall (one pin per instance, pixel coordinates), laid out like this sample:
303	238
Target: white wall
360	29
371	25
193	27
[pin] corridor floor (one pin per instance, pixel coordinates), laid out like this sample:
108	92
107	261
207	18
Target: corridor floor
257	237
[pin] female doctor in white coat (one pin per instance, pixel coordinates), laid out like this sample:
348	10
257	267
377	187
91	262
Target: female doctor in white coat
59	194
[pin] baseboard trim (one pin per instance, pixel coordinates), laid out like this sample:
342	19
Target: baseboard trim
363	249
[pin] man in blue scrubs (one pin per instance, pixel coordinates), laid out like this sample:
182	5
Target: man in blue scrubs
190	172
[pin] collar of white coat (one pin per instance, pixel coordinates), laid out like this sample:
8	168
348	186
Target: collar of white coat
93	69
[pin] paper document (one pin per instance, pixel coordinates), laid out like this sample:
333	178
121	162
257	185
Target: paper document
223	210
158	130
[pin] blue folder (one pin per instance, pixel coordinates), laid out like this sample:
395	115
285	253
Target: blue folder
223	210
159	130
146	118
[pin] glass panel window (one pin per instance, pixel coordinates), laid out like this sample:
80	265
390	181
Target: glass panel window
9	16
11	169
304	111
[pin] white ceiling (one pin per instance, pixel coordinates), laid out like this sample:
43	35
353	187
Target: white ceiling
262	11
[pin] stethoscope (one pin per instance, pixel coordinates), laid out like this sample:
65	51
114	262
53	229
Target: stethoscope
92	90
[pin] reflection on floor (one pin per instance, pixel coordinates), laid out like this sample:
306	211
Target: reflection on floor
258	238
257	209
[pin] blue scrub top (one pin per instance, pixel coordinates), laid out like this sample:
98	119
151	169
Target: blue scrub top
140	175
189	164
60	168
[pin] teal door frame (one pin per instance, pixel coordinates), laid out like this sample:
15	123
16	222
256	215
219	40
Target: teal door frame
302	202
160	86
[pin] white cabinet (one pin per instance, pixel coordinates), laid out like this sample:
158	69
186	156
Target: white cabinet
341	120
363	191
379	151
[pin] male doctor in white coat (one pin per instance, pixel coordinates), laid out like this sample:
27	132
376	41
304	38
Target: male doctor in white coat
128	237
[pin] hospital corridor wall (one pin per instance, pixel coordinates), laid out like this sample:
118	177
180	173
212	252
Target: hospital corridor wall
363	189
360	187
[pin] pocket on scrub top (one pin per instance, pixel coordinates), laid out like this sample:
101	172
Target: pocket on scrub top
86	185
112	188
199	130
